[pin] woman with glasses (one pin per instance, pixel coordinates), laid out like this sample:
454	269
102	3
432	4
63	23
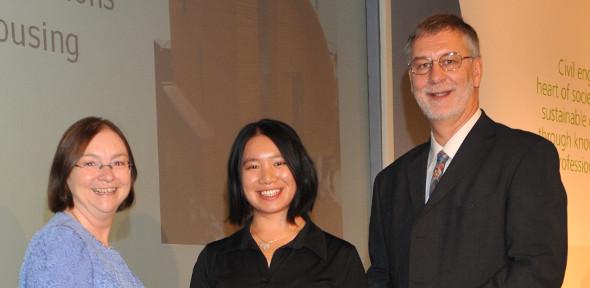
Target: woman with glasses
91	179
272	186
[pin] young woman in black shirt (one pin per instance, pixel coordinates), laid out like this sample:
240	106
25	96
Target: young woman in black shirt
272	186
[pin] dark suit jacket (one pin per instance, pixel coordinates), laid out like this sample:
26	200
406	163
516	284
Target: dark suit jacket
497	218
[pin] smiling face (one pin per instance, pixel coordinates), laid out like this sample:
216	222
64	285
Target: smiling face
268	184
97	193
446	96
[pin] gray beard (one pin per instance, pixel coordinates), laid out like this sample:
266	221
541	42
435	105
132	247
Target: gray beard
454	112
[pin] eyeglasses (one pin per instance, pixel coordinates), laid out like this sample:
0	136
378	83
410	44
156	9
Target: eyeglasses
448	62
95	166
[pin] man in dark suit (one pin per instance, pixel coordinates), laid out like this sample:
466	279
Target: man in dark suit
487	211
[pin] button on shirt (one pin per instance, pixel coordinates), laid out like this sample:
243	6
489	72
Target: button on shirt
451	148
313	259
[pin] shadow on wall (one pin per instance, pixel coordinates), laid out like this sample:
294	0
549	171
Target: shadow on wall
12	248
410	126
417	125
137	238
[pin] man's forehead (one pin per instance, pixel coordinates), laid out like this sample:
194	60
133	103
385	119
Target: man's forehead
441	42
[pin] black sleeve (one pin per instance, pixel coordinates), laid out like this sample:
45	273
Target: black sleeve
200	277
536	228
378	273
355	272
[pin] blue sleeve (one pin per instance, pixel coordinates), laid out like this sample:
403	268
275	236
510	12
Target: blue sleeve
57	257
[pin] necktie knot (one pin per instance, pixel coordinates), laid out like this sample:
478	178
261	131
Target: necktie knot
441	158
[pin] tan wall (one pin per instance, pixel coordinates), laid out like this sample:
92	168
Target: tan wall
522	45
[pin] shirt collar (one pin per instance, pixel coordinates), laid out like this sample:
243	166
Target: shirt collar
246	241
310	237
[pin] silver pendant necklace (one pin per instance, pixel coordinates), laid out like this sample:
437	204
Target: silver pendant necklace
266	245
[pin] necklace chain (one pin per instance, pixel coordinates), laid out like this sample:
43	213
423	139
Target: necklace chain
264	245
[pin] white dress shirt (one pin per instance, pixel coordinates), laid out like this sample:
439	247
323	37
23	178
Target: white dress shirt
450	148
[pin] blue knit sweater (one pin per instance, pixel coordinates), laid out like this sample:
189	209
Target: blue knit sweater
65	254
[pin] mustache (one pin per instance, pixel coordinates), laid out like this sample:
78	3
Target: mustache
437	89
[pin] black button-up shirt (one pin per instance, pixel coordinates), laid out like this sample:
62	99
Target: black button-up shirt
313	259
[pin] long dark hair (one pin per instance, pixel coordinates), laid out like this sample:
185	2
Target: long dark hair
298	161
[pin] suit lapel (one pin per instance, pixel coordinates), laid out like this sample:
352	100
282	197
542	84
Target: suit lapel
473	150
416	175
